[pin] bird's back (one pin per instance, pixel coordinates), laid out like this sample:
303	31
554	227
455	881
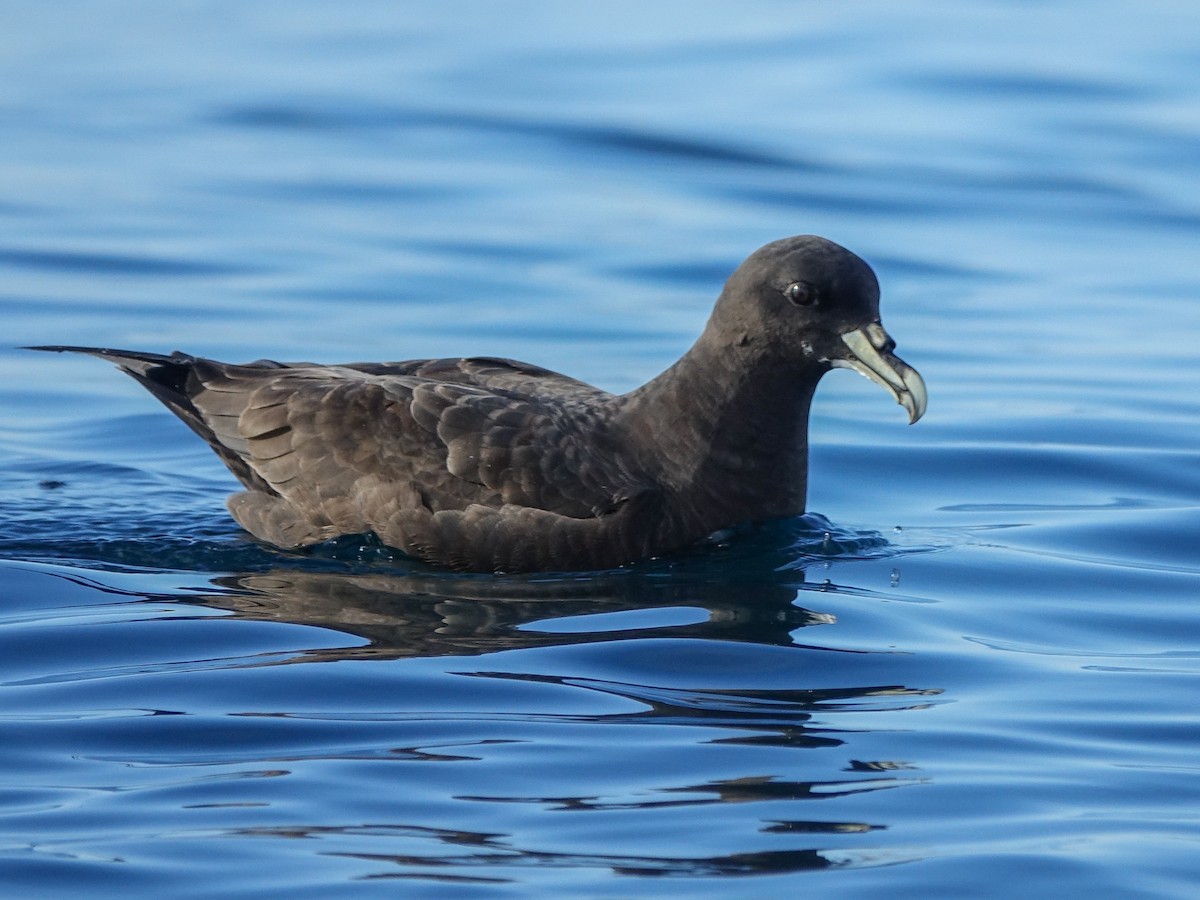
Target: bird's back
329	450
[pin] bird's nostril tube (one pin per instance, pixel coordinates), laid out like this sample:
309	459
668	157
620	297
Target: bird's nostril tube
880	339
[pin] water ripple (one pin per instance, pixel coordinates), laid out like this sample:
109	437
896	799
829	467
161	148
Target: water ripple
580	133
116	264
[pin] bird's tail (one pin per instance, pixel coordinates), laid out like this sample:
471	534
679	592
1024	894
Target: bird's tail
166	377
172	379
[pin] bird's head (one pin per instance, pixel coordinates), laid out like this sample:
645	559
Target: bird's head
809	304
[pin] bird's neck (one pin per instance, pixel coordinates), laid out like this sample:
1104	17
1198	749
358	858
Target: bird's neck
727	427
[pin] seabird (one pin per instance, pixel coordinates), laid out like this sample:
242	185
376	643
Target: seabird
493	465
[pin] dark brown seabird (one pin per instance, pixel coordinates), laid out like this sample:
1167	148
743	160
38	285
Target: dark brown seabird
494	465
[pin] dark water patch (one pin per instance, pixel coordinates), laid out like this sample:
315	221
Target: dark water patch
146	554
25	210
1043	183
915	190
335	191
583	334
92	312
1155	143
1179	219
935	270
1035	86
117	264
648	144
701	274
851	202
508	253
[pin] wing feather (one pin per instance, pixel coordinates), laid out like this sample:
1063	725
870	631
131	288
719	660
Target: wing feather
475	463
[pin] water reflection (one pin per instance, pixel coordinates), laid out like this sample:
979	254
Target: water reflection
495	855
744	590
469	782
750	789
772	717
414	615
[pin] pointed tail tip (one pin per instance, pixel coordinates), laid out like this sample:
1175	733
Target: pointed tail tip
135	362
65	348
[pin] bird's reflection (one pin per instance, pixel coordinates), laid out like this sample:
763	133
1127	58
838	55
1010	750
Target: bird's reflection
746	594
743	591
403	615
452	856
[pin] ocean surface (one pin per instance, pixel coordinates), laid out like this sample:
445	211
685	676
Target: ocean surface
972	670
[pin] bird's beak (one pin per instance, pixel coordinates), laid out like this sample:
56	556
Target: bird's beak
871	355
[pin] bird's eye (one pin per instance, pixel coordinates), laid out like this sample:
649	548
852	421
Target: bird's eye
800	293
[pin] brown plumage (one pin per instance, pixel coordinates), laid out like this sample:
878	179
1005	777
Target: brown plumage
489	464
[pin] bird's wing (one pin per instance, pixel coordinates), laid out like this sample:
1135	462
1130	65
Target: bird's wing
459	432
479	464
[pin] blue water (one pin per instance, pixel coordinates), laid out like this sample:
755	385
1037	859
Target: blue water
973	670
